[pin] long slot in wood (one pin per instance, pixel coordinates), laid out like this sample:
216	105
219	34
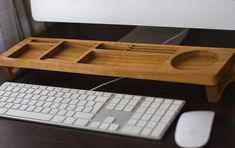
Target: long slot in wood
19	51
153	49
52	51
104	46
42	44
87	56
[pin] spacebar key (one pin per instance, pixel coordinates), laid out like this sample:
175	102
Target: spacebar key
30	115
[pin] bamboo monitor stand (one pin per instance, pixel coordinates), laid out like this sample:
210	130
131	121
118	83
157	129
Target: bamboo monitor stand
212	67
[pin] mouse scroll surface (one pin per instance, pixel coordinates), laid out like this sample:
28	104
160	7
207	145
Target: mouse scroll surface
193	128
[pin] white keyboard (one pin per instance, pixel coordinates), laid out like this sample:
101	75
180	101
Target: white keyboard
138	116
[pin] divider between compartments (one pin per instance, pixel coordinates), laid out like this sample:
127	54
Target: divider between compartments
52	51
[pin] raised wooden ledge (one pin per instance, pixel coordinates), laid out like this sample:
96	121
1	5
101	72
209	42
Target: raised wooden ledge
212	67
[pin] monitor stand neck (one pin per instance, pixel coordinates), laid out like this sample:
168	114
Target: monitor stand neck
154	35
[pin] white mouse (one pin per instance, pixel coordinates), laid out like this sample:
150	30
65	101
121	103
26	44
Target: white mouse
193	128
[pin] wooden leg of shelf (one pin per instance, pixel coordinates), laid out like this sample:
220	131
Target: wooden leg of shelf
11	73
214	93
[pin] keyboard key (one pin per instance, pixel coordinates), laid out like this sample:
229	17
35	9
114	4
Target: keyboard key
158	100
109	119
45	110
101	99
136	115
38	109
165	119
146	131
155	105
128	97
133	102
128	108
115	100
2	104
71	107
51	99
158	130
90	103
25	102
15	106
168	101
81	122
58	119
54	105
132	122
141	109
32	102
119	107
32	115
141	123
30	108
124	101
131	129
3	110
104	126
174	107
151	110
110	106
87	109
1	93
39	103
119	96
74	102
149	99
69	120
97	107
160	112
70	113
61	112
95	124
164	106
75	96
63	106
138	98
79	108
145	104
151	124
23	107
156	118
146	116
53	111
107	94
28	96
83	115
113	127
35	97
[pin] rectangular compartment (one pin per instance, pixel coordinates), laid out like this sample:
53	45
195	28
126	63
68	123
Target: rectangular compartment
138	48
135	60
69	51
29	51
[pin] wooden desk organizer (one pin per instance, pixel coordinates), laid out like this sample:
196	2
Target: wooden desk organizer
212	67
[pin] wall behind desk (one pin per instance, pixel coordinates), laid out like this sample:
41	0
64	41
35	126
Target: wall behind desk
16	23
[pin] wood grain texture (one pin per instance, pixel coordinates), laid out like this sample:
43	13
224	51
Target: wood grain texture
181	64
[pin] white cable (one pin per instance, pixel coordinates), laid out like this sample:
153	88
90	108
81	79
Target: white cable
176	36
117	79
106	83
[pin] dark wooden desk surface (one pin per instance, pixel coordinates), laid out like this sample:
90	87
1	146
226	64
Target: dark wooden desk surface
19	134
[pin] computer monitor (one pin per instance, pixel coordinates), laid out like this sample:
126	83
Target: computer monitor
209	14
